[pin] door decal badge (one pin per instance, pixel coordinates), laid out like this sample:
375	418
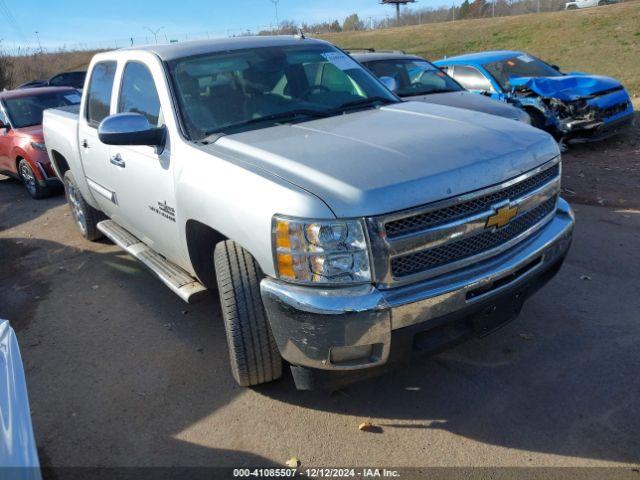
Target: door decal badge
164	210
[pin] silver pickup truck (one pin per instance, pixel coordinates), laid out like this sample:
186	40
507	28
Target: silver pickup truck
342	227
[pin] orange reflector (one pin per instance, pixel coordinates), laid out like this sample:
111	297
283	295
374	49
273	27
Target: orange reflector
282	234
285	265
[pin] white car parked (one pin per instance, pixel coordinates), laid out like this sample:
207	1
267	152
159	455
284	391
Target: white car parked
18	453
587	3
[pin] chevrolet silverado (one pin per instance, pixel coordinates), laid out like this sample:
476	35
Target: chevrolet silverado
341	227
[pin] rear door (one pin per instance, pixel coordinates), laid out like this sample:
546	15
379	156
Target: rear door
94	154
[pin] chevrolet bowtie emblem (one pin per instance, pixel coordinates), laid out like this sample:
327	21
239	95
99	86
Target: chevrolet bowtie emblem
502	217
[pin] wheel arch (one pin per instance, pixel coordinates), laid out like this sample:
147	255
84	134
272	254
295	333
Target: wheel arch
59	163
201	243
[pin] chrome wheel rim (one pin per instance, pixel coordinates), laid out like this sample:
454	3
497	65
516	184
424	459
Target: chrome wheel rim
28	177
73	196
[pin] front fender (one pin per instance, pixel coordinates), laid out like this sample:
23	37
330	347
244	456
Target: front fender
237	200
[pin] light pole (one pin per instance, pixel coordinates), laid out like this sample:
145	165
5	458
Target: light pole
275	4
38	37
154	32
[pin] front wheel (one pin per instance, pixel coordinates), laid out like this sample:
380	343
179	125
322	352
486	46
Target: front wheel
253	352
85	216
30	181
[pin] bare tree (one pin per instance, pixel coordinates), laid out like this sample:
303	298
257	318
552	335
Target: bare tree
6	70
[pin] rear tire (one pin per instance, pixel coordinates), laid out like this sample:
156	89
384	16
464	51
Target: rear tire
85	216
30	181
253	352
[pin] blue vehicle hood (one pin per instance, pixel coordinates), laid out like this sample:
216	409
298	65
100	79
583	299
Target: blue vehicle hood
568	87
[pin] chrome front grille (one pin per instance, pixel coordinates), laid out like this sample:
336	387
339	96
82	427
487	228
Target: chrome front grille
433	218
428	241
454	251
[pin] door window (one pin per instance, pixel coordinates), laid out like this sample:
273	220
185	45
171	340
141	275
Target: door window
99	95
138	94
471	79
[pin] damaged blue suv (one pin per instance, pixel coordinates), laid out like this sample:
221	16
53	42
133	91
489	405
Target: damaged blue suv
574	107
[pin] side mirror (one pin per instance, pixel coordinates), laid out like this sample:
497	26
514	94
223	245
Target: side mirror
390	83
555	67
4	126
130	129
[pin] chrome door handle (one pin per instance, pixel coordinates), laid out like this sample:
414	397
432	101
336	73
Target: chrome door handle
118	161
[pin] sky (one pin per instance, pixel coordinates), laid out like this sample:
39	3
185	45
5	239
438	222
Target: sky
112	23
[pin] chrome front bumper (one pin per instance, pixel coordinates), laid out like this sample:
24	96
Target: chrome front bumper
319	328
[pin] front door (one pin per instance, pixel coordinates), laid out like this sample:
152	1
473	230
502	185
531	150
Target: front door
143	176
94	154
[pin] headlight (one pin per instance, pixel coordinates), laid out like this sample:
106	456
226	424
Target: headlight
324	251
39	146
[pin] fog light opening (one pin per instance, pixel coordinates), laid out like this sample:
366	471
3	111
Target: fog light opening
356	355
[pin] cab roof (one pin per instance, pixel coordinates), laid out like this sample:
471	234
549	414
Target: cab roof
172	51
479	58
363	57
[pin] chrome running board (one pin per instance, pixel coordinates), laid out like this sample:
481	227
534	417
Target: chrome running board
178	280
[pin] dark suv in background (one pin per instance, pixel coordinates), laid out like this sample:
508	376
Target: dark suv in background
414	78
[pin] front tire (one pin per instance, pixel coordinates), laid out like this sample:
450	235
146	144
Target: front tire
85	216
253	352
30	181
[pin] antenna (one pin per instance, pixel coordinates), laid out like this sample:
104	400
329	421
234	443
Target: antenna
300	34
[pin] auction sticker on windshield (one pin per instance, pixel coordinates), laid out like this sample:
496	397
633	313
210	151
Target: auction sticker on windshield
340	60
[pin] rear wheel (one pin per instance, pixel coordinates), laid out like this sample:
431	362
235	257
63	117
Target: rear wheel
30	181
253	352
85	216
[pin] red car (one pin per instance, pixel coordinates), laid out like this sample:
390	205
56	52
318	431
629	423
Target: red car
22	151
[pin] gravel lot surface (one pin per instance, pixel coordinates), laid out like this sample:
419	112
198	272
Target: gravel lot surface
122	373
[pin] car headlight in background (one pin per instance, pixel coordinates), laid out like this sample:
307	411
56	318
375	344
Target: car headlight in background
330	252
39	146
524	117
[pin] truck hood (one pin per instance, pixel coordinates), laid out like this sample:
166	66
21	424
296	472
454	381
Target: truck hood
567	87
471	101
392	158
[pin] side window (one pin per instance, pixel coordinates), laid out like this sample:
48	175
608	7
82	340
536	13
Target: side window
471	79
99	95
3	118
138	93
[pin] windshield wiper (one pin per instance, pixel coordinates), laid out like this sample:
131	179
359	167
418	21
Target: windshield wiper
282	116
363	102
428	92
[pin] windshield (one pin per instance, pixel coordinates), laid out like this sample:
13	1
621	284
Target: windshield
27	111
414	77
71	79
228	92
520	66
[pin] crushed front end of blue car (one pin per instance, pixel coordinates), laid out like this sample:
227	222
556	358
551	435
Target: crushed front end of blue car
576	107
